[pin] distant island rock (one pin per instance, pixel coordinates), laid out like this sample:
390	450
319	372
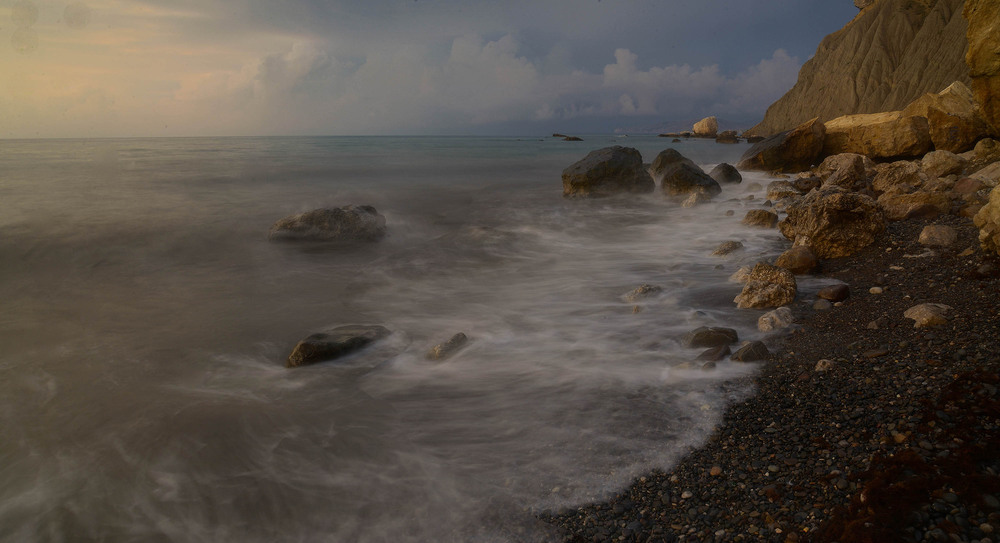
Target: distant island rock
706	128
342	224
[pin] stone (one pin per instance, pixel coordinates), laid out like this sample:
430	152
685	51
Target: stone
986	152
607	171
726	174
990	175
983	55
741	275
710	336
917	205
849	170
753	351
715	354
878	135
775	319
767	286
680	177
900	177
876	290
942	163
832	222
334	343
929	314
968	185
955	119
727	247
938	235
348	224
822	305
795	150
706	128
444	350
824	365
835	293
779	190
806	184
761	218
696	198
988	222
799	260
642	292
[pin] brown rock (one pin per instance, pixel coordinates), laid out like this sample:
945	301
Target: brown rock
727	247
938	235
923	205
753	351
761	217
347	224
710	336
925	315
334	343
834	293
968	185
900	177
988	222
798	260
607	171
706	128
448	348
725	173
878	135
792	151
983	55
955	119
729	136
680	177
986	152
715	354
642	292
832	222
767	286
942	163
779	190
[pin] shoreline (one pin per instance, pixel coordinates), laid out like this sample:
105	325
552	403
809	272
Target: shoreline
897	441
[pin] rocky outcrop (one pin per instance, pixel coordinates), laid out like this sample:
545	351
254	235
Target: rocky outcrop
605	172
344	224
954	118
983	56
706	128
833	222
878	135
767	286
334	343
793	151
890	54
681	178
988	222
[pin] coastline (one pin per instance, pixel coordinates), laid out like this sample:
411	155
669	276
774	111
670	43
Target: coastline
896	441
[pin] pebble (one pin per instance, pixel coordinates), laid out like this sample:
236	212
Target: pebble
876	290
686	495
822	305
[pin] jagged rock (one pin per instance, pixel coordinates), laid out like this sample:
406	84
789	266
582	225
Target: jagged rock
343	224
767	286
715	354
334	343
697	197
680	177
729	136
986	152
940	184
741	275
900	177
862	4
834	293
607	171
938	235
448	348
727	247
775	319
806	184
761	217
710	336
929	314
833	223
752	351
983	56
798	260
878	135
990	175
890	54
641	292
988	222
942	163
954	118
706	128
780	190
793	151
917	205
848	170
725	173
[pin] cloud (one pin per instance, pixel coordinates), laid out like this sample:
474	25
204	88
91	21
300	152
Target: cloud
760	85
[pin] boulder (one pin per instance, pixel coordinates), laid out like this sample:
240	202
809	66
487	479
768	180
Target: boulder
795	150
767	286
752	351
941	163
900	177
988	222
990	175
334	343
967	186
806	184
725	173
697	197
761	218
642	292
834	293
954	118
983	55
779	190
342	224
715	354
798	260
605	172
929	314
727	247
680	177
729	136
710	336
706	128
448	348
986	152
938	235
848	170
833	222
775	320
878	135
917	205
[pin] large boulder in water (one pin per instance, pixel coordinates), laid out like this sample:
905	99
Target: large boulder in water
795	150
334	343
342	224
680	177
706	128
725	173
833	222
607	171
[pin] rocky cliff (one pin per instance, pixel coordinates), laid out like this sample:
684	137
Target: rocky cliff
890	54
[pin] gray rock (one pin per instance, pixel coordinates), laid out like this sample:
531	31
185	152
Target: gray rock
798	260
767	286
942	163
727	247
938	235
929	314
753	351
714	354
833	222
607	171
835	293
822	305
344	224
334	343
680	177
726	173
641	292
761	218
775	320
448	348
710	336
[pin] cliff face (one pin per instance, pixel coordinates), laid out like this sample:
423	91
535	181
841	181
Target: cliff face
890	54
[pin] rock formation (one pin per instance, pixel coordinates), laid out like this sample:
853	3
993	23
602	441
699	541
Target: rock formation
833	222
790	151
878	135
334	343
607	171
983	57
682	178
890	54
706	128
343	224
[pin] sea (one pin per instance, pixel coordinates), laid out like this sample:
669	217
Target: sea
145	320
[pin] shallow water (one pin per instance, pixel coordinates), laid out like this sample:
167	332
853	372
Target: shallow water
146	319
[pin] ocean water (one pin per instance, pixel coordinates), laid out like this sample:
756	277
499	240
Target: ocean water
146	318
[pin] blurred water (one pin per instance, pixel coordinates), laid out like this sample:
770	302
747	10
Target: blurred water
145	320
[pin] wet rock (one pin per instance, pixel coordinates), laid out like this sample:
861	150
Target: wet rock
767	286
798	260
680	177
607	171
710	336
761	218
835	293
343	224
642	292
753	351
775	320
334	343
715	354
727	247
741	275
727	136
833	223
448	348
938	235
929	314
779	190
795	150
726	174
697	197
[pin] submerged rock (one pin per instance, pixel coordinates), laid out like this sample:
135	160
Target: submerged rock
343	224
753	351
680	177
727	247
334	343
710	336
726	173
448	348
607	171
761	218
642	292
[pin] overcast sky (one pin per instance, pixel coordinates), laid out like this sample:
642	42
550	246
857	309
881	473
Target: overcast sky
288	67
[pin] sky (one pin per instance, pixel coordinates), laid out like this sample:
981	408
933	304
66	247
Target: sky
126	68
